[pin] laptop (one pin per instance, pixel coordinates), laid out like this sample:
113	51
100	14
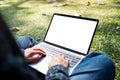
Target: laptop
69	35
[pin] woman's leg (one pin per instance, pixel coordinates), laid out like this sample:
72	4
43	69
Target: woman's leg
26	41
95	66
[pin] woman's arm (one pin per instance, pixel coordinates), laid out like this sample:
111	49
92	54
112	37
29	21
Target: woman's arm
58	68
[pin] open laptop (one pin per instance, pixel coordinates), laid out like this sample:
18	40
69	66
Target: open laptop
69	35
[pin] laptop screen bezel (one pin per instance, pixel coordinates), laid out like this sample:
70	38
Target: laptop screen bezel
72	16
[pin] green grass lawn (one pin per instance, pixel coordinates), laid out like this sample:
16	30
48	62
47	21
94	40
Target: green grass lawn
33	17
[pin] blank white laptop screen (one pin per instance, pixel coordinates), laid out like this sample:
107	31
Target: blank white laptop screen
72	33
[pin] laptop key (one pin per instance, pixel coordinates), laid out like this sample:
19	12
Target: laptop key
71	58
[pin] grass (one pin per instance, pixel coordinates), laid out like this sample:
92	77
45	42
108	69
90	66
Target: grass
33	17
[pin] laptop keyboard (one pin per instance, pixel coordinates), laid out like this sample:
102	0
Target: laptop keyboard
71	58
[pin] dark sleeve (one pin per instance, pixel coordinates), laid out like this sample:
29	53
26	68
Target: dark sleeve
57	72
22	51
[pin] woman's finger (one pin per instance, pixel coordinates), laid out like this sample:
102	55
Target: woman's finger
36	48
38	52
34	58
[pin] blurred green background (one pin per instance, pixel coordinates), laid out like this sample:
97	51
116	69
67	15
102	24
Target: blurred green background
32	17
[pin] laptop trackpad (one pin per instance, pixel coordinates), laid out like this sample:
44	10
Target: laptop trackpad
42	65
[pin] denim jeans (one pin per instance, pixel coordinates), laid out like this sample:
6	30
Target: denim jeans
95	66
26	41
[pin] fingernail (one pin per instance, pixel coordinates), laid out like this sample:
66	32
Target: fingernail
37	55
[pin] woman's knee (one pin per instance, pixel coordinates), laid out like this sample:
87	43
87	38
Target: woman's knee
104	62
96	64
102	58
26	41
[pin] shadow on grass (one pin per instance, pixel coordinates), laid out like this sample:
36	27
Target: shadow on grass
115	17
14	7
116	4
9	12
110	39
111	47
109	28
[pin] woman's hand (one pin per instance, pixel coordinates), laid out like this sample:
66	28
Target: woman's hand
33	54
58	60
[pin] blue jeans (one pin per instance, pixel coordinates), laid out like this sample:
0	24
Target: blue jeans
95	66
26	41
